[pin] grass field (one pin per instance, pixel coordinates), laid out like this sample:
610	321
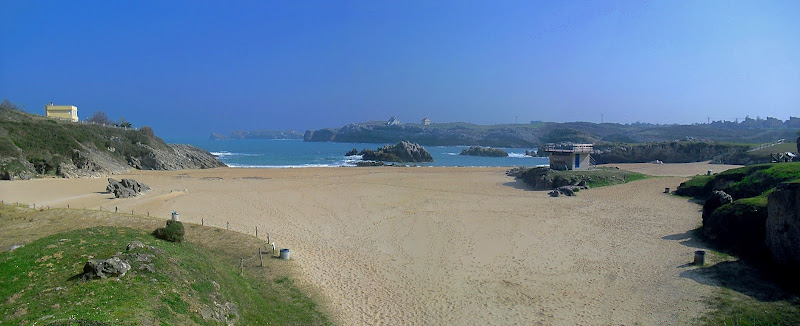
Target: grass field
195	282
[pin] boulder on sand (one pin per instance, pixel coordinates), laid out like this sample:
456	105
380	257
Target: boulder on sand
126	188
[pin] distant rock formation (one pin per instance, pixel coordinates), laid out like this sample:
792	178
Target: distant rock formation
257	134
783	225
352	152
484	151
401	152
125	188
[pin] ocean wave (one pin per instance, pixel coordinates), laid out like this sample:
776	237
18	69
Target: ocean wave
226	154
256	166
452	154
518	155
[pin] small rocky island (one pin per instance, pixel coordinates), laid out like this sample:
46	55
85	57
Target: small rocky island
484	151
402	152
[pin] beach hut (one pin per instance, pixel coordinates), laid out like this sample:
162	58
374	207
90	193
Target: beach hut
569	156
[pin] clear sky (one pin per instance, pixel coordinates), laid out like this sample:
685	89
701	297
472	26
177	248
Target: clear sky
187	68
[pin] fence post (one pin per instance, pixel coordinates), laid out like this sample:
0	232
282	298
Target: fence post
228	225
241	266
116	209
34	205
260	257
257	233
67	206
202	221
267	237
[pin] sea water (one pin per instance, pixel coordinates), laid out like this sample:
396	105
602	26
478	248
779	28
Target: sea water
269	153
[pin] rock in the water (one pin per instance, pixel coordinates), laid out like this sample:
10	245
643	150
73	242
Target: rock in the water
352	152
401	152
102	268
783	225
484	151
126	188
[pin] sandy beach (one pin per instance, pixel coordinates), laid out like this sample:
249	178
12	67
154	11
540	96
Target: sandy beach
442	246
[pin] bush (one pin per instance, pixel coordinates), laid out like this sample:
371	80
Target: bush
173	232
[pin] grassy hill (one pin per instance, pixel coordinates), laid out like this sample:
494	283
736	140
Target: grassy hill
33	145
197	282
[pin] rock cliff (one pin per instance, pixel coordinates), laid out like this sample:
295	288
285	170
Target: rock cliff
783	225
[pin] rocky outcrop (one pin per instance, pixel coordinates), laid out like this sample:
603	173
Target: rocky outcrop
484	151
126	188
401	152
103	268
783	225
568	190
218	136
739	226
174	157
352	152
717	199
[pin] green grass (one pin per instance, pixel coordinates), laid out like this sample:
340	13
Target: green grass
46	142
42	279
602	177
729	307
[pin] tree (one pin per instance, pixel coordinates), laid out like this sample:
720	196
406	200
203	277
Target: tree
99	117
123	123
6	104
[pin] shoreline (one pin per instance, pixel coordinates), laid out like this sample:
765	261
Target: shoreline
447	245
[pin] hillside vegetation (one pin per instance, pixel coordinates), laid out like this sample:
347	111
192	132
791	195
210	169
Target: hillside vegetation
32	145
538	133
197	282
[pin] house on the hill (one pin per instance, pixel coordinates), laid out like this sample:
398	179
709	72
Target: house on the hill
426	122
67	112
570	156
392	121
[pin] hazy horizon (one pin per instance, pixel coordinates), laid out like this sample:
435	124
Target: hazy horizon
191	68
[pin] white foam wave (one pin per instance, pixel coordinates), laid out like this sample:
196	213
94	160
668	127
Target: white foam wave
452	154
284	166
227	154
518	155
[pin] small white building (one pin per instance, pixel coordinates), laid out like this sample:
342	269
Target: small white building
392	121
569	156
426	122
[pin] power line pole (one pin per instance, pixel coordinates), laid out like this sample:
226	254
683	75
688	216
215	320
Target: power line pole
601	118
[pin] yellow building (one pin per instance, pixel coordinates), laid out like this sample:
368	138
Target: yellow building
69	112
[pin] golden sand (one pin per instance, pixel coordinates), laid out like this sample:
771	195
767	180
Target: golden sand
442	246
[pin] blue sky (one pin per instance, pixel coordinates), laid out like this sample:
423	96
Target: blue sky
188	68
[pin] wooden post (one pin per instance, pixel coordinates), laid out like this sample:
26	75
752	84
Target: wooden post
228	225
67	206
131	212
267	237
116	209
241	266
257	233
260	257
34	205
148	213
202	221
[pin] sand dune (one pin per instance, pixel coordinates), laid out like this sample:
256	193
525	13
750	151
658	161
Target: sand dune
443	246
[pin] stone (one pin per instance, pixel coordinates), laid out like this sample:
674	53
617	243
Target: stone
126	188
783	225
553	193
717	199
484	151
133	245
15	247
403	151
103	268
352	152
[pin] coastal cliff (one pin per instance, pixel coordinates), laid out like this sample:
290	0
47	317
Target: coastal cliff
32	145
536	134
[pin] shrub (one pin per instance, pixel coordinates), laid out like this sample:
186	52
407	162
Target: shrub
172	232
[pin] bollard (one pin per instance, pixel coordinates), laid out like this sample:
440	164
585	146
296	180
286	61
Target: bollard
708	172
666	190
284	253
175	216
699	257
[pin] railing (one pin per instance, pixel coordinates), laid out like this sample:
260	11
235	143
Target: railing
763	146
569	148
